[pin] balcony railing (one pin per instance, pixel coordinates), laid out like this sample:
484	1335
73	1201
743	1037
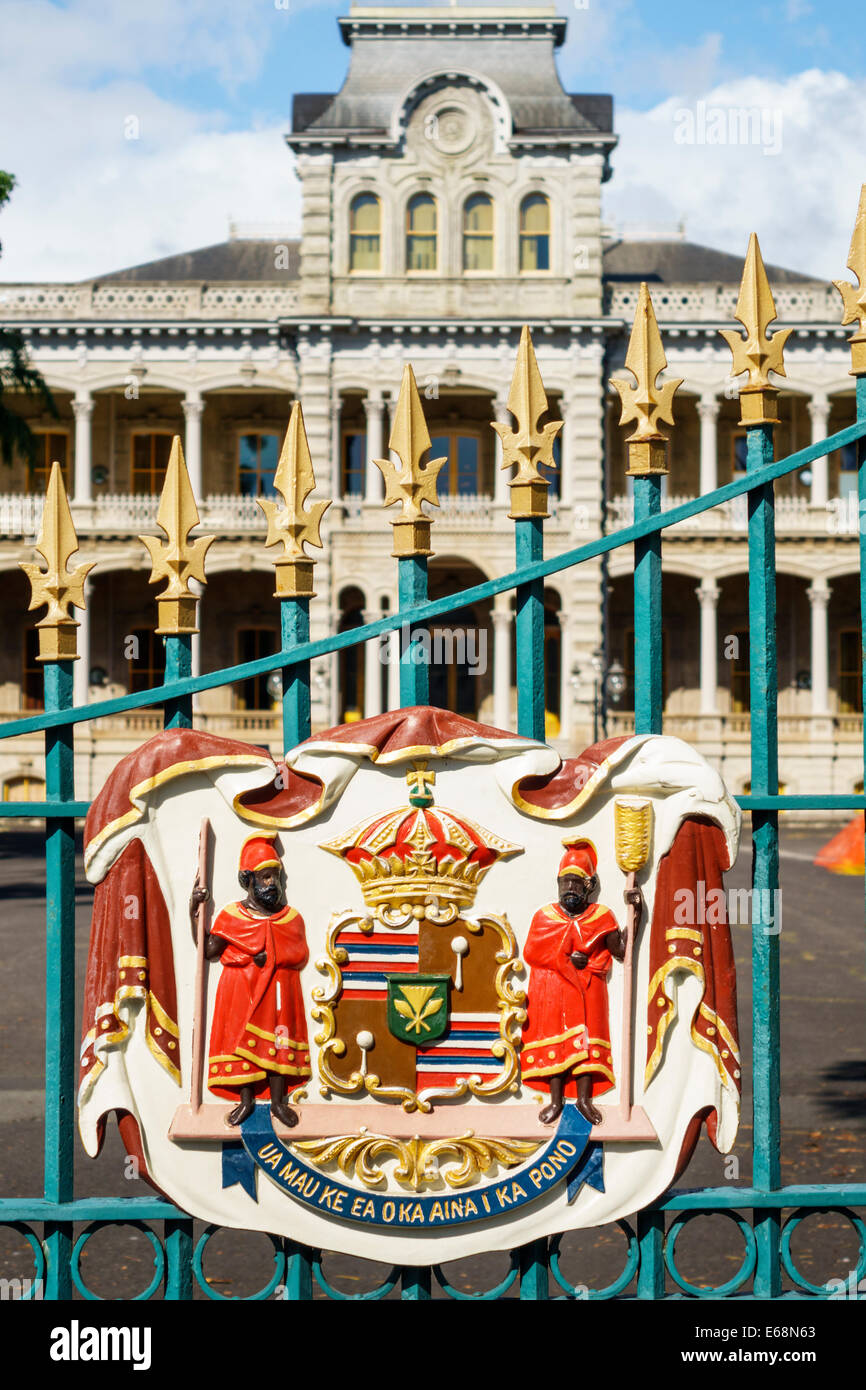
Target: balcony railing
123	301
794	516
716	303
793	728
125	512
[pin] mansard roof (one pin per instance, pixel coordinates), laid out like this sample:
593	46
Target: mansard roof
684	263
657	262
231	261
396	53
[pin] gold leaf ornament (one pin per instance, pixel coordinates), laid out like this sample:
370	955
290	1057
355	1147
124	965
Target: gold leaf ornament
529	447
458	1161
413	482
177	559
854	296
755	353
57	587
294	525
646	404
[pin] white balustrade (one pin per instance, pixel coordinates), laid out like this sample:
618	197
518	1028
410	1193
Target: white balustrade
123	301
794	516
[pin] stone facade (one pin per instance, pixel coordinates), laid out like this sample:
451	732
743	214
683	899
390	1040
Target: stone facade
451	192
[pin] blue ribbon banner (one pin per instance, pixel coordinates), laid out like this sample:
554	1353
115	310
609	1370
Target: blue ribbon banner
568	1157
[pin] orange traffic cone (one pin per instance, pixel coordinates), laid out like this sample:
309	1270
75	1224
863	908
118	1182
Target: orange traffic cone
844	853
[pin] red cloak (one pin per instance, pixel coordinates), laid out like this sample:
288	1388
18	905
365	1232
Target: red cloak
258	1024
567	1031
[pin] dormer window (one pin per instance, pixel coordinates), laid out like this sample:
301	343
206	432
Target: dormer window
365	234
534	233
478	233
421	233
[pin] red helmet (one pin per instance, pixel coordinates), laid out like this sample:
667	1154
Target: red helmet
259	853
579	858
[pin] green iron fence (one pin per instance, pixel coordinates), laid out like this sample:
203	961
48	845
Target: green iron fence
766	1213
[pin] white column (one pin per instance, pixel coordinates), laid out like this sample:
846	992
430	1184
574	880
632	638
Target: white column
195	641
374	407
336	451
566	689
819	598
501	490
565	455
708	411
81	668
501	616
708	597
372	671
193	405
819	409
82	407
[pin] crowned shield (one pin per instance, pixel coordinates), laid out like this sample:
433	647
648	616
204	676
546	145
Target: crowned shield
416	948
472	1015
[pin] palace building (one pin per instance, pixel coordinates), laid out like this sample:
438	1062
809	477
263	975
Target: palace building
451	192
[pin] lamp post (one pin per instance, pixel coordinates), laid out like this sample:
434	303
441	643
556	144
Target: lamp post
608	688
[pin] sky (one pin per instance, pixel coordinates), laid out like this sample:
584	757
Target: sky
138	130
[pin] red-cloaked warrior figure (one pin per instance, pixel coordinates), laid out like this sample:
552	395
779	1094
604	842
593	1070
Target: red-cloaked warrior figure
259	1033
566	1036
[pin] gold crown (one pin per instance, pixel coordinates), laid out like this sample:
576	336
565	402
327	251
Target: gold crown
419	851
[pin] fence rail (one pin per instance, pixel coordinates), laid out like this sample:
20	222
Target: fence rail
766	1213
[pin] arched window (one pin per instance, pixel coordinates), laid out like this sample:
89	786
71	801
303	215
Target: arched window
365	234
478	232
421	233
534	233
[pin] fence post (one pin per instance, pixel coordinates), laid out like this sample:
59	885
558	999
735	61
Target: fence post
177	560
294	527
525	448
58	588
648	406
759	355
854	302
411	485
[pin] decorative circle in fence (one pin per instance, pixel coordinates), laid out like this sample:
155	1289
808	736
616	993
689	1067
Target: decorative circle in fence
369	1296
266	1291
91	1230
791	1225
611	1290
37	1281
745	1272
486	1294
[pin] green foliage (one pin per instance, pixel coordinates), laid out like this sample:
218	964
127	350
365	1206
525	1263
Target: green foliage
16	375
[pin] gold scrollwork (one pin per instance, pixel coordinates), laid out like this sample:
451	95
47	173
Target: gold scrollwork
460	1160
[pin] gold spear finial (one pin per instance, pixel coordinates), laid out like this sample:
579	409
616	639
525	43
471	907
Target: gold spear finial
527	446
756	353
647	405
416	482
293	525
854	298
57	586
177	560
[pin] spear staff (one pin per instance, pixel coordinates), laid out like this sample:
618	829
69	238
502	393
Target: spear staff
199	1024
632	835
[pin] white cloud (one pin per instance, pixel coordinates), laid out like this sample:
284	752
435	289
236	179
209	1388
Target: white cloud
89	199
801	200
